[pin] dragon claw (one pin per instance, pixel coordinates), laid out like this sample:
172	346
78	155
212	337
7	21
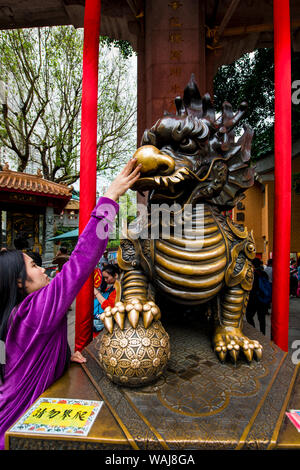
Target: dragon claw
133	308
235	344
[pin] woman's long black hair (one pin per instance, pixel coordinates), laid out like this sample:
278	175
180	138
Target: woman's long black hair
12	274
111	269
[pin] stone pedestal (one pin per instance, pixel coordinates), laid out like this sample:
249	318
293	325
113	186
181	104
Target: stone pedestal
198	403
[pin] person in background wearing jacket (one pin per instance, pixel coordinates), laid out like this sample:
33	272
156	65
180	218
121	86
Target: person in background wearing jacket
61	258
105	296
256	303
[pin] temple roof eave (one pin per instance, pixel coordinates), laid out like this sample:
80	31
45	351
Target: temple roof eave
25	183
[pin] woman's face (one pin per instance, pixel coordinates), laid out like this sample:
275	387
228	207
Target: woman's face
36	277
108	278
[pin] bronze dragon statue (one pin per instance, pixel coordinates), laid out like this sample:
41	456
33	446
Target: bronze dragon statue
192	159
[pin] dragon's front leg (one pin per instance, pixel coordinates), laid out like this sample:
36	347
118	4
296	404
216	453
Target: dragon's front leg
136	297
135	303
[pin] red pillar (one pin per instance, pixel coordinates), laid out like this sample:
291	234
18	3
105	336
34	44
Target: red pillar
282	202
88	157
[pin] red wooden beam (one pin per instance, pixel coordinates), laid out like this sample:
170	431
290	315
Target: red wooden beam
282	202
88	158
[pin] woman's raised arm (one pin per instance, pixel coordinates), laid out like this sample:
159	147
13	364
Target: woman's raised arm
48	306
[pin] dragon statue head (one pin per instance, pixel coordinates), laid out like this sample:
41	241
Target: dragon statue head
193	155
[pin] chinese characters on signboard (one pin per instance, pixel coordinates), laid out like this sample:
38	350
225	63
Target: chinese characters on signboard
59	416
175	38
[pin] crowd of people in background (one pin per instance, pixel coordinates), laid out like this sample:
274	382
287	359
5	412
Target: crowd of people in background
260	297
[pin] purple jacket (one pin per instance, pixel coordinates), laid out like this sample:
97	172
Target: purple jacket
36	342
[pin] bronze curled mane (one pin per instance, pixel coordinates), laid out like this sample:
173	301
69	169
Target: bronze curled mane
202	144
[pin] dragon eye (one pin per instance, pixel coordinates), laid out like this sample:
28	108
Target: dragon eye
188	145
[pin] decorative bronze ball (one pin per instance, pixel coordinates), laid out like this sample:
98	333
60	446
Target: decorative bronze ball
134	357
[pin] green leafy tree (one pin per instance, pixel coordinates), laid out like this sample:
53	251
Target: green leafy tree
19	75
124	46
40	121
251	79
116	112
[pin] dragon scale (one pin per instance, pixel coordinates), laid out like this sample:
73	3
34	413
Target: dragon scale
191	268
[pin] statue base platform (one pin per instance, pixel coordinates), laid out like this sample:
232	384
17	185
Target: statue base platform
197	404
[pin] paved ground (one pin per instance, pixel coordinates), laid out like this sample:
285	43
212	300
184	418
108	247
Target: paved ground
294	324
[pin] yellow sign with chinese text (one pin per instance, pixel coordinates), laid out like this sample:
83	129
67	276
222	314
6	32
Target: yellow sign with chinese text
60	414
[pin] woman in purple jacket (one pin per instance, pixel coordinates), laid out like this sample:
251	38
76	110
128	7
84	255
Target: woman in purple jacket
33	311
